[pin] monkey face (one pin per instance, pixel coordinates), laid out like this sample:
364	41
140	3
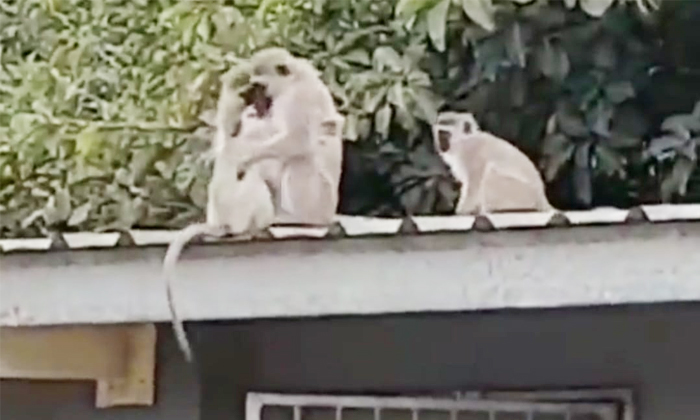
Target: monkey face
273	68
442	140
273	77
256	95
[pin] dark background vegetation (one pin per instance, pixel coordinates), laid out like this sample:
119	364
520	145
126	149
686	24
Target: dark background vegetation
101	101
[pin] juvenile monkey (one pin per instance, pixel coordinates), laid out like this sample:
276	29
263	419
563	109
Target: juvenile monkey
238	98
308	162
495	175
239	202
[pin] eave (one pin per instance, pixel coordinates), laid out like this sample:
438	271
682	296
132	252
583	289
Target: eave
648	255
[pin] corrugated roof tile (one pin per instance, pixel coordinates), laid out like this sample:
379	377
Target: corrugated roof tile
352	226
359	225
283	232
669	212
29	244
520	219
143	237
91	240
429	224
601	215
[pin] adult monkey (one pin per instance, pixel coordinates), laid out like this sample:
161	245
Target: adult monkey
303	153
495	175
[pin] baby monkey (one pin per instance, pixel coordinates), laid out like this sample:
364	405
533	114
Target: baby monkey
495	175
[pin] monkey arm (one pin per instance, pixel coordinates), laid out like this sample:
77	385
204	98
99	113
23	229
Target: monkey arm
283	145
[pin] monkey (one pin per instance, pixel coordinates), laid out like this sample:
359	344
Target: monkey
495	175
237	97
239	202
302	164
310	193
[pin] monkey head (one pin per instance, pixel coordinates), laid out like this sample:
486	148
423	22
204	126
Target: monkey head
272	69
276	69
461	122
453	126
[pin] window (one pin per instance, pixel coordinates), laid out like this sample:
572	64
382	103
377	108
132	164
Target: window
494	406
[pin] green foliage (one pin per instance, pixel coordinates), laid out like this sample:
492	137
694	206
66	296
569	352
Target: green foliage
677	145
103	103
564	84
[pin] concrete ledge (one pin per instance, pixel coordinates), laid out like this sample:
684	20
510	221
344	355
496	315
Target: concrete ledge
533	268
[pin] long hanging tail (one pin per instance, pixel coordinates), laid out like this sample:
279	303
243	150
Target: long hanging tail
171	256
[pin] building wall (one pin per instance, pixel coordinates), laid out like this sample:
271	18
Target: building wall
177	395
655	349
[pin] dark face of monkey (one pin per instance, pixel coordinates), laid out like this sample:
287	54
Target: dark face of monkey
255	95
443	140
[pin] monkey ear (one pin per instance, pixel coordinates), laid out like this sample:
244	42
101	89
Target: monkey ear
282	70
329	128
467	127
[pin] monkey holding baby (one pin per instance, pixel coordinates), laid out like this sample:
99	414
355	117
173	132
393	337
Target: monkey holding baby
495	175
277	157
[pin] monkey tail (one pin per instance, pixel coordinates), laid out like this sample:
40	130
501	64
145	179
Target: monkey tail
171	256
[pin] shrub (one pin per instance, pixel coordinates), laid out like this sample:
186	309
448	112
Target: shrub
101	103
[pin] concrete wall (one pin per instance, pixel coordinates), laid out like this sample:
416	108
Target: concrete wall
177	395
655	349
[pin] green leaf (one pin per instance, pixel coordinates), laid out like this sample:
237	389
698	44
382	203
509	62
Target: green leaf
358	56
660	146
364	126
677	181
596	8
604	54
407	8
396	97
88	141
515	45
384	57
437	21
599	117
372	99
80	214
557	150
481	12
609	162
679	125
553	61
382	121
570	122
350	129
427	103
618	92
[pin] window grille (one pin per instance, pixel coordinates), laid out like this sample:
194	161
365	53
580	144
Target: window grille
268	406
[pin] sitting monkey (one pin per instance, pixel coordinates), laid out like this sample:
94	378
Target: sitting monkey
238	203
495	175
302	146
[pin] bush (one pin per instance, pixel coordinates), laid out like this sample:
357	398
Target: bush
102	103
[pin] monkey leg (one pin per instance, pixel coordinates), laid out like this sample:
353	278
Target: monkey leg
308	195
508	192
271	172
